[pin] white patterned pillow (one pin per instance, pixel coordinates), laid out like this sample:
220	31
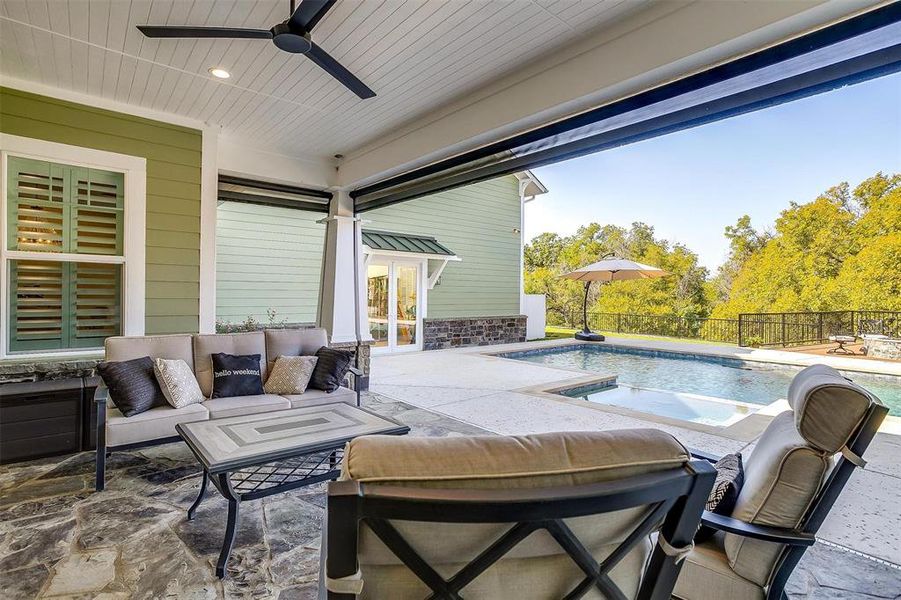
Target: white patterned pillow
177	382
290	375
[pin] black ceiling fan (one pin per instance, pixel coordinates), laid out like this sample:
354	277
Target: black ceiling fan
291	35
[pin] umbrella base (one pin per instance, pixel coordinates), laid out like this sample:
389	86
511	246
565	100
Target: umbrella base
588	336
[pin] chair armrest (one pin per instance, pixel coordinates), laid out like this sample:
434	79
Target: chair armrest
101	394
355	371
704	455
765	533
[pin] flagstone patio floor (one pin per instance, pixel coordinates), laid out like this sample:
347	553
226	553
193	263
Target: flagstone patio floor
60	539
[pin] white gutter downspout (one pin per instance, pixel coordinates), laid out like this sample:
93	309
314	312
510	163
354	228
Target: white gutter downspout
523	199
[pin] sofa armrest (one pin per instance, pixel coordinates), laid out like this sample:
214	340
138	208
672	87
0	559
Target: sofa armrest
765	533
709	457
356	382
101	394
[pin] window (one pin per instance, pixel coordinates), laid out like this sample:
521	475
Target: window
64	255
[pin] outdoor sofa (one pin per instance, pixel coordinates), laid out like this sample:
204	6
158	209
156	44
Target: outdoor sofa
115	431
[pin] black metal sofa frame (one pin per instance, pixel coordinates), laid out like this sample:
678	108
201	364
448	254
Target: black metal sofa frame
676	497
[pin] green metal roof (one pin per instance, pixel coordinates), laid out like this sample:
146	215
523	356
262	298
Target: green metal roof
404	242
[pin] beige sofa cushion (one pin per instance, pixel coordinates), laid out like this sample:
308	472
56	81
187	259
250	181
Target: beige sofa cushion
294	342
236	406
828	408
706	575
537	567
313	397
530	461
782	476
230	343
173	347
149	425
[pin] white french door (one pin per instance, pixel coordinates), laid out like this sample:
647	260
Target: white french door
395	304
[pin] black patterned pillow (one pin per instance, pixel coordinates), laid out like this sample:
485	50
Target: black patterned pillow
331	367
730	476
236	375
133	387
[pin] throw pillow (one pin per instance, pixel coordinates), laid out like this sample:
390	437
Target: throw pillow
177	381
236	375
331	367
132	385
730	476
290	375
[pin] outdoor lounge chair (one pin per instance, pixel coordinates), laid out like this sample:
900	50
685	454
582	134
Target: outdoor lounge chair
791	482
558	515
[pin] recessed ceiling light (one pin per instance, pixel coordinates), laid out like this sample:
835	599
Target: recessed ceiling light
220	73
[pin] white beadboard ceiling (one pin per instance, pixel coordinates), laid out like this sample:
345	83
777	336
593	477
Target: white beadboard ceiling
416	54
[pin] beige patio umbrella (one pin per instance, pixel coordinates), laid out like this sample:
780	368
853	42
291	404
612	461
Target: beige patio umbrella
605	270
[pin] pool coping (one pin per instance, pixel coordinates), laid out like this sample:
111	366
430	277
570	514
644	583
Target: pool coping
745	429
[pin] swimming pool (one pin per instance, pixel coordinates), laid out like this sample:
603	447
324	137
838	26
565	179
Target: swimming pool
717	377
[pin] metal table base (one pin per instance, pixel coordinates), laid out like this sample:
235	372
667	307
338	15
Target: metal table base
264	480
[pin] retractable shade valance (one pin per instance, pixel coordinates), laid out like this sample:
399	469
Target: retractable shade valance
239	189
855	50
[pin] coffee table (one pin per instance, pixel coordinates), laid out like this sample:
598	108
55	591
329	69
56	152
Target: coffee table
255	456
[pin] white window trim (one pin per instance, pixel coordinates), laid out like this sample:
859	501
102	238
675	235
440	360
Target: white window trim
134	168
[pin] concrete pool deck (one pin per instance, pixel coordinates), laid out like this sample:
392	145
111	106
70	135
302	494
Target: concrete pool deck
505	396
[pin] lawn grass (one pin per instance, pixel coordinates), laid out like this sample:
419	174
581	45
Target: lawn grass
552	332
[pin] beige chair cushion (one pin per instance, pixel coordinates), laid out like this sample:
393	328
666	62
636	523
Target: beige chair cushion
149	425
230	343
294	342
782	476
706	575
236	406
537	578
828	408
173	347
537	567
313	397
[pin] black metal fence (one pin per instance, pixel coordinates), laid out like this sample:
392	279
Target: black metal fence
713	330
801	328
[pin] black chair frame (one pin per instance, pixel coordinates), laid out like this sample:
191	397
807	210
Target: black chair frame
674	497
796	541
101	399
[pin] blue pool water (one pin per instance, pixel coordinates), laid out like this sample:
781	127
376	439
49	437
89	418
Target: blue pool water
727	378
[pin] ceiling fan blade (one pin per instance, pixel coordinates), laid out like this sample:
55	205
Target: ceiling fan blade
337	70
166	31
309	13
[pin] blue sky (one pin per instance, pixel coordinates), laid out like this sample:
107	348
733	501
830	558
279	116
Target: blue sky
691	184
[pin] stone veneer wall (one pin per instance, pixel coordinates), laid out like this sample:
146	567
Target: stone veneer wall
439	334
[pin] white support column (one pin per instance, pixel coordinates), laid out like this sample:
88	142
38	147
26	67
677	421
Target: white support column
209	187
343	285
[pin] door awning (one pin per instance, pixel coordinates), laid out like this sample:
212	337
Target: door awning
380	242
407	245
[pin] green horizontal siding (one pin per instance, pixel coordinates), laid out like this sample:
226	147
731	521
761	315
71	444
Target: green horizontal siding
267	257
173	156
479	223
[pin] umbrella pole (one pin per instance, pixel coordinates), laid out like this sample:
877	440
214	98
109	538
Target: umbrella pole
586	334
585	309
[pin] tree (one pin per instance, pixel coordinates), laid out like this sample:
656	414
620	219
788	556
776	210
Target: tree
838	252
685	293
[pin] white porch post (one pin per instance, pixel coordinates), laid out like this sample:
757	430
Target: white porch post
342	293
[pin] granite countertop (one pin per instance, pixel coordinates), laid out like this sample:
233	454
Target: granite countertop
21	370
